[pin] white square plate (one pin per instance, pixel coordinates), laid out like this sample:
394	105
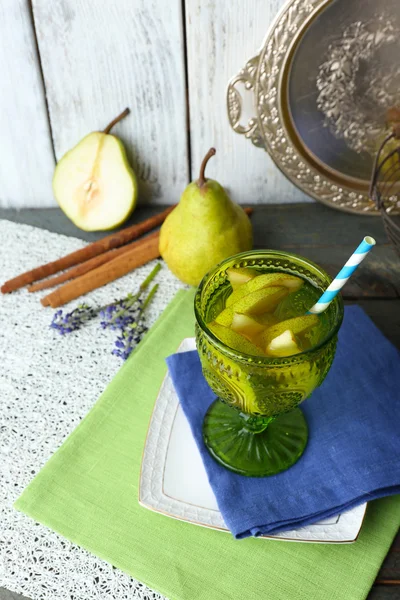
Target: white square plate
174	482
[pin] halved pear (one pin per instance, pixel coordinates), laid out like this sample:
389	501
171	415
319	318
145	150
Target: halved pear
94	184
238	277
256	303
246	326
290	282
234	340
284	344
297	326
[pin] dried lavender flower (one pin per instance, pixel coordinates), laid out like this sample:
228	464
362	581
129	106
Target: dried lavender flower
73	320
126	311
133	333
126	315
120	314
129	339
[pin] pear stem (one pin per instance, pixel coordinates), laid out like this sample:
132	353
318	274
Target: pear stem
116	120
201	181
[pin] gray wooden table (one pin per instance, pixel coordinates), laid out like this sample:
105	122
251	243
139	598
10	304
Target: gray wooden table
328	237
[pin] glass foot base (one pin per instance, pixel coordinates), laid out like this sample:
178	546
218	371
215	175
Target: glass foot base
243	451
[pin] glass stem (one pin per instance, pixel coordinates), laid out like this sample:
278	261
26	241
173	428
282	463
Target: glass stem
255	424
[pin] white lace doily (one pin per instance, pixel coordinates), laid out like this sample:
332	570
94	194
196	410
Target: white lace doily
43	396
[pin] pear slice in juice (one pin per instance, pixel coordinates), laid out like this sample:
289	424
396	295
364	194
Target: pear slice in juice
234	340
297	326
290	282
267	319
246	326
256	303
284	344
238	277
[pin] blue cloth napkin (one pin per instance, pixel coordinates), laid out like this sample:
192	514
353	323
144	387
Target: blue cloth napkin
353	452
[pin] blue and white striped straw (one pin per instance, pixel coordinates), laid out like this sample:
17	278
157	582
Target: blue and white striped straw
341	278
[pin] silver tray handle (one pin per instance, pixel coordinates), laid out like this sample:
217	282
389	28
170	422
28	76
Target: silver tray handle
247	76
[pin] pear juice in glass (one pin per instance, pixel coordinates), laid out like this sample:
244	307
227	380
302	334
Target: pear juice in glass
262	355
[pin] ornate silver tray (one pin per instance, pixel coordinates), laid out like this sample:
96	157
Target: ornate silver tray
321	84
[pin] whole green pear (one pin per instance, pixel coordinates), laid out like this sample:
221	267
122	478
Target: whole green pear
205	228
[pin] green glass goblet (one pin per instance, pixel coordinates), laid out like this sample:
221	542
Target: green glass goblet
255	427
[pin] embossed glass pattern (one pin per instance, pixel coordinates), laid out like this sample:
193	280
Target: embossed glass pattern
255	427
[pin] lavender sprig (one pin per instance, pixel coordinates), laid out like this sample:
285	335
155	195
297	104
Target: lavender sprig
128	340
73	320
122	313
125	312
126	315
133	333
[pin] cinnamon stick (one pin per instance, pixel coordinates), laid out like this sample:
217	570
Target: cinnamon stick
86	266
107	243
90	251
143	252
393	114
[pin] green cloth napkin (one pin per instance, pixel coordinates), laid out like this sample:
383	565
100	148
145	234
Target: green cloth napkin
88	492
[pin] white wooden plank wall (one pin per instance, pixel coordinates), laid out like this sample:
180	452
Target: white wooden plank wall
221	38
26	154
99	57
